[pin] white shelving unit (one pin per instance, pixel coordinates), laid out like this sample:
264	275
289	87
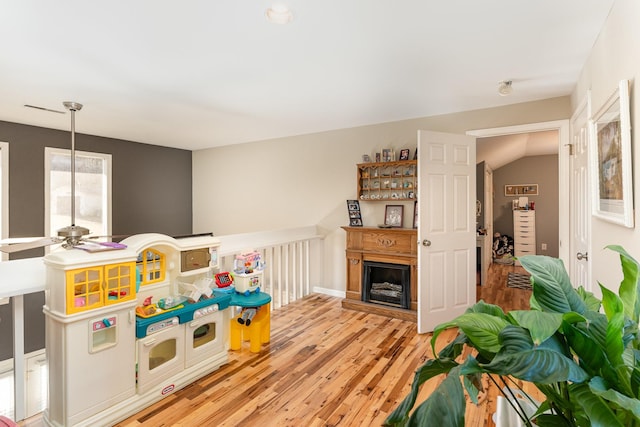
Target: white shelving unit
524	233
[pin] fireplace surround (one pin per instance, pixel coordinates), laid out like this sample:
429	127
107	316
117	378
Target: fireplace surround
396	246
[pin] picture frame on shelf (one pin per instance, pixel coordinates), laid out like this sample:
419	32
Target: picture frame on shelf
415	155
387	155
378	157
393	216
404	154
366	158
355	217
610	156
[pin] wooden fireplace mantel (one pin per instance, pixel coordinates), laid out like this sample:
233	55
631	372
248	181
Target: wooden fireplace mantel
390	245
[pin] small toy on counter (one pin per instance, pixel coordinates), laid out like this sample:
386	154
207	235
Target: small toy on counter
224	282
246	315
149	309
224	279
171	301
247	262
201	288
248	268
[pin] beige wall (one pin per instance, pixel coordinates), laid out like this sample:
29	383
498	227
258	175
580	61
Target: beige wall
614	57
306	180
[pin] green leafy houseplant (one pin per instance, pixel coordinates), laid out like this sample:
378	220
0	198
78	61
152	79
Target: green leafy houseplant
582	353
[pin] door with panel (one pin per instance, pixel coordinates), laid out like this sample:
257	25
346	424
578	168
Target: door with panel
446	230
580	198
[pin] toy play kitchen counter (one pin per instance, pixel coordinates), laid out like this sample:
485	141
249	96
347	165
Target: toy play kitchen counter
120	334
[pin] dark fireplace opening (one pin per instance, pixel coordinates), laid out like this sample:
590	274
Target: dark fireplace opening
386	284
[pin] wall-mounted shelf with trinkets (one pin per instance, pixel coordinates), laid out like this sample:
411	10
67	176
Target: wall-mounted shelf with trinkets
388	180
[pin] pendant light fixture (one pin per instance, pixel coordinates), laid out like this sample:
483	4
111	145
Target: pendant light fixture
278	13
505	87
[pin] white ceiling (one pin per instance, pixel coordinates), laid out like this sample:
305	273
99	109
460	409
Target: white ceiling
199	74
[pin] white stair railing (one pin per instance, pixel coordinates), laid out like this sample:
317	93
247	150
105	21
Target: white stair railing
292	265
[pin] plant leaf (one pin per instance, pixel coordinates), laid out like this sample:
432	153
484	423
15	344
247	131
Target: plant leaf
519	358
551	285
483	307
599	388
594	406
541	325
445	407
593	303
614	309
481	330
550	420
630	286
590	354
428	370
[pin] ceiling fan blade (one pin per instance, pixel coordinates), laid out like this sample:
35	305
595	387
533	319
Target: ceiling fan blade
51	110
112	236
23	246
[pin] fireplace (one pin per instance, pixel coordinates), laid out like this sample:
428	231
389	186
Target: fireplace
386	284
396	248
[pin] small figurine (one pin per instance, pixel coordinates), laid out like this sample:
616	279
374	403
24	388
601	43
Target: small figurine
246	315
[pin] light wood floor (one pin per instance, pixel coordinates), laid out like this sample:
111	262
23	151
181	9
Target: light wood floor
324	366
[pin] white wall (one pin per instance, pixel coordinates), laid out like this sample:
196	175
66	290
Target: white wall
306	180
614	57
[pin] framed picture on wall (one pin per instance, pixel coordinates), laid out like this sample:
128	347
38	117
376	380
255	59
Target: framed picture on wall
610	155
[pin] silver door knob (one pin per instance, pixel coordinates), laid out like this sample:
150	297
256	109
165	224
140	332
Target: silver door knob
426	242
582	256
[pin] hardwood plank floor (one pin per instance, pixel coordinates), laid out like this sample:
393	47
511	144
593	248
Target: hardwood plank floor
324	366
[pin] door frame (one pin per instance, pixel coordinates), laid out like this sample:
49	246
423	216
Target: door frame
4	194
562	127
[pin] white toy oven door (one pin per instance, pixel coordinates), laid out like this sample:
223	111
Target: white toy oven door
204	336
160	354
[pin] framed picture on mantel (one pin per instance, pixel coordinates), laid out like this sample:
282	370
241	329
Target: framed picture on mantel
355	217
393	215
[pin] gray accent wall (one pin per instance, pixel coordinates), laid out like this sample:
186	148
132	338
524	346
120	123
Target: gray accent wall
151	192
541	170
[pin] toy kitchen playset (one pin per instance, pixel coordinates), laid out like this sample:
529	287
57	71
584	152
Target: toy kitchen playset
126	327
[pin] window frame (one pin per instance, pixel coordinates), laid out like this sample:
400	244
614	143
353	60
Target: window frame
49	152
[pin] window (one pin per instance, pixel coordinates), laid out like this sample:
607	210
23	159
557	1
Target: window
92	191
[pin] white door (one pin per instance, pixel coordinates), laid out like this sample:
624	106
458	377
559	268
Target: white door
446	231
580	197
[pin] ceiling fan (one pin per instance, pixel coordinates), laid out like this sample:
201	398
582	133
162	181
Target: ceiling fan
72	235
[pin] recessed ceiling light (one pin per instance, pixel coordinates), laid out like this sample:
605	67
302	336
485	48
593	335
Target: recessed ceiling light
505	87
279	14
